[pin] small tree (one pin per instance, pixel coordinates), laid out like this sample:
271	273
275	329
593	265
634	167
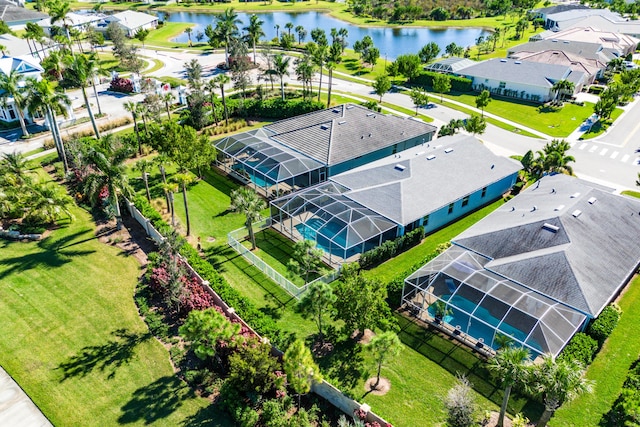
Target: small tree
300	368
252	369
475	124
203	330
183	180
381	85
441	84
509	367
144	166
317	303
249	203
361	303
419	97
306	259
429	52
460	404
483	100
383	347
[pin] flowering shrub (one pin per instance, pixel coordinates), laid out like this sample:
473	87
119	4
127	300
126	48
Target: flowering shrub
122	85
194	296
360	414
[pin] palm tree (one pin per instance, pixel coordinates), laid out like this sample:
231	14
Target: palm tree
15	165
58	11
168	99
554	159
249	203
334	57
193	70
47	202
557	382
563	85
144	166
132	107
162	160
108	171
304	70
227	27
12	88
302	33
330	67
53	64
80	69
254	32
35	33
43	97
221	80
280	69
211	87
170	188
509	366
289	27
184	179
189	30
319	57
94	71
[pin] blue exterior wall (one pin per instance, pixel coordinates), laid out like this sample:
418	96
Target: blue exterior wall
442	217
377	155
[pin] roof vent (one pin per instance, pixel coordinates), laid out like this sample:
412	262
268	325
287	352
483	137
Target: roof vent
503	60
370	114
559	208
576	213
361	136
554	41
592	200
400	167
349	107
341	122
448	150
565	41
324	127
420	153
335	110
534	208
550	227
575	195
431	157
517	62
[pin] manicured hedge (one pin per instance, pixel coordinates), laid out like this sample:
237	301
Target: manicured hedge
260	322
626	409
581	348
604	324
391	248
458	84
274	108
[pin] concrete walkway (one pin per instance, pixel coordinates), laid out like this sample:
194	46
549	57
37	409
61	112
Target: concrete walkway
16	409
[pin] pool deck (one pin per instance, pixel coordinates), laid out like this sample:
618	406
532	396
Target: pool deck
16	408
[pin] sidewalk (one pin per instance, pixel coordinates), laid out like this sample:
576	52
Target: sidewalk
16	409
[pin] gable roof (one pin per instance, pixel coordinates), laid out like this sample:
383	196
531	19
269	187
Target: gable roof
74	19
563	238
419	181
577	14
522	72
10	13
132	20
589	67
558	8
22	65
585	49
613	41
345	132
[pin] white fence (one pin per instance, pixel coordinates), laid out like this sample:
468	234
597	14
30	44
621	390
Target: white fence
235	239
345	403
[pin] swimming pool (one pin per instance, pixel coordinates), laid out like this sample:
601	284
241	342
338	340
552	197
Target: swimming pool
258	180
326	235
473	327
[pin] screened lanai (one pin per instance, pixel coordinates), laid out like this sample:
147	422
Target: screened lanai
338	225
256	159
483	304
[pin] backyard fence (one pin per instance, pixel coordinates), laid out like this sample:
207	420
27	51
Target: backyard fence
235	239
345	403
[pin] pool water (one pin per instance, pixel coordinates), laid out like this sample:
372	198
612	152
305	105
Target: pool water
326	235
259	181
478	329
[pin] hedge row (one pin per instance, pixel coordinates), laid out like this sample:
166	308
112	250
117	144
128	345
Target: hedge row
391	248
583	347
260	322
274	108
626	409
458	84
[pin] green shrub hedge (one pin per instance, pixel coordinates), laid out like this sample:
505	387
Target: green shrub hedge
582	348
458	84
391	248
274	108
626	409
604	324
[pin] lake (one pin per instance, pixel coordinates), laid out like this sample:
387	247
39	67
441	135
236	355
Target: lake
391	41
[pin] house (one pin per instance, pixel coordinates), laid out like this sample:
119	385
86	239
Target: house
449	65
614	43
561	17
78	21
536	270
19	47
592	68
357	210
28	67
131	21
527	80
307	149
17	16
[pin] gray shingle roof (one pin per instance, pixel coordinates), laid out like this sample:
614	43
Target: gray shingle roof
559	8
522	72
10	13
425	185
572	248
586	50
345	132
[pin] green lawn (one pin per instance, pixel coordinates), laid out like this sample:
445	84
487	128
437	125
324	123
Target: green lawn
72	337
610	367
601	127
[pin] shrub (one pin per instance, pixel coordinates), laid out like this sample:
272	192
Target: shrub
602	327
458	84
391	248
581	348
122	85
274	108
626	409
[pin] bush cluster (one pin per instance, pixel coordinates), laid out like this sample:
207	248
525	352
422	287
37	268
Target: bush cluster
274	108
626	409
391	248
602	327
458	84
122	85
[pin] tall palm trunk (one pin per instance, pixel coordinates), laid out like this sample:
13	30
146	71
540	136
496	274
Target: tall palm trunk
137	132
169	199
93	120
145	178
171	208
224	105
95	92
254	52
116	206
186	208
503	408
30	49
167	106
329	91
252	236
320	84
282	86
213	109
545	417
57	140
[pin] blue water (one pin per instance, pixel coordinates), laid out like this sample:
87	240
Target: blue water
478	329
258	180
316	229
392	42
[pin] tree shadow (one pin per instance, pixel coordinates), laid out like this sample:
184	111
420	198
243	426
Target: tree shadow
345	362
53	253
155	401
210	416
107	357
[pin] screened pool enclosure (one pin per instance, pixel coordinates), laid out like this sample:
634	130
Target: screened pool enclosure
483	305
338	225
253	157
